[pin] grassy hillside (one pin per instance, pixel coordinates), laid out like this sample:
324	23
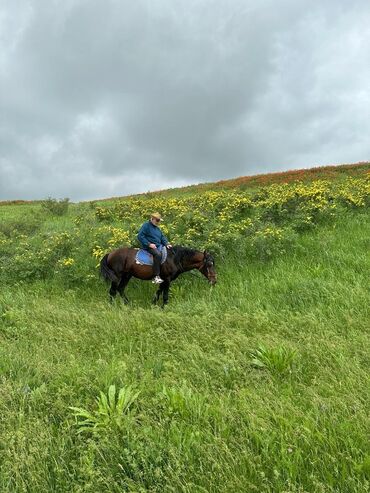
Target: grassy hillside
260	384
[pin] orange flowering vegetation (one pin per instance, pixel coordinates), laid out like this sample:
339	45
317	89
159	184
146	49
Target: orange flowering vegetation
323	172
331	172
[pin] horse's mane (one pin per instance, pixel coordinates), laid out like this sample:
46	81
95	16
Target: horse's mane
182	253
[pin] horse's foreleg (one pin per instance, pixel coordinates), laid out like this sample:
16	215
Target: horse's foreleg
166	290
122	285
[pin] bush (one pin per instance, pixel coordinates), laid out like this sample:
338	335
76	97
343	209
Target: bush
25	225
266	241
55	207
103	214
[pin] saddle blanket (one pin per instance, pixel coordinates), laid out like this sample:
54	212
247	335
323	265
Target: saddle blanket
143	257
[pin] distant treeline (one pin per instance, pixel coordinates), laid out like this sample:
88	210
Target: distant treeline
19	202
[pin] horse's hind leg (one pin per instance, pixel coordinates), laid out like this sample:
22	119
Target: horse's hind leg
122	285
113	291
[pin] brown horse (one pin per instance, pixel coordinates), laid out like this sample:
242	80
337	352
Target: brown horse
120	265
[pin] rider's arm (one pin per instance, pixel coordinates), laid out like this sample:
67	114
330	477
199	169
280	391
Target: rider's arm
142	236
164	240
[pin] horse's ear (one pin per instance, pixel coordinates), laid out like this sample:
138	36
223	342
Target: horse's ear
205	253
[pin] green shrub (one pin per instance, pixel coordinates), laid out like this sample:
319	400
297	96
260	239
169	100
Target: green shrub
55	207
103	213
26	225
267	241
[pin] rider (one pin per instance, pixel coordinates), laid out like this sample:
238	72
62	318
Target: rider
151	237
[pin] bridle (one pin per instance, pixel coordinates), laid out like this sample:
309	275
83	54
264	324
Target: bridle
204	264
207	262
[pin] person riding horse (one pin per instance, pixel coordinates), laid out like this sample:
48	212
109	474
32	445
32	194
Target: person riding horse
119	265
151	239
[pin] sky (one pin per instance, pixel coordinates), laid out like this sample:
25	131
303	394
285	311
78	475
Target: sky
102	98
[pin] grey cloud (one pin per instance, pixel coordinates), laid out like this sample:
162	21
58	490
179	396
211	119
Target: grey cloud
101	98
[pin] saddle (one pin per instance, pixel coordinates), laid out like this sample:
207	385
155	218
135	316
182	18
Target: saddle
143	257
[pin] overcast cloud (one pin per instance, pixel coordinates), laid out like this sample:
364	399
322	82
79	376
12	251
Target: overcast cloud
111	97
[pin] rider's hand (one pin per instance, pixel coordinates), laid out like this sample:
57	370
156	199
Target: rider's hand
151	245
169	245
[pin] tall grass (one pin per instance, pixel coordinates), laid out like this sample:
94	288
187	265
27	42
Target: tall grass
206	417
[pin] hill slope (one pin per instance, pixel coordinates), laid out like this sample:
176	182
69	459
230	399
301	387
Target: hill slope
259	384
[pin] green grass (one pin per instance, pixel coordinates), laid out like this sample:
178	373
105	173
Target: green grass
207	418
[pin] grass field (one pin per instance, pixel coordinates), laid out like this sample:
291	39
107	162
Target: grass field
260	384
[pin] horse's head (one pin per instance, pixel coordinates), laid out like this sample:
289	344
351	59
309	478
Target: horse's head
208	268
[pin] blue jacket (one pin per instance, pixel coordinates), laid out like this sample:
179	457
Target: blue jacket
151	234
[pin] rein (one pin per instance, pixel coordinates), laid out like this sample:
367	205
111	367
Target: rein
197	276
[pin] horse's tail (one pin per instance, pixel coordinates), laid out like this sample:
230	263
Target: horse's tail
106	271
